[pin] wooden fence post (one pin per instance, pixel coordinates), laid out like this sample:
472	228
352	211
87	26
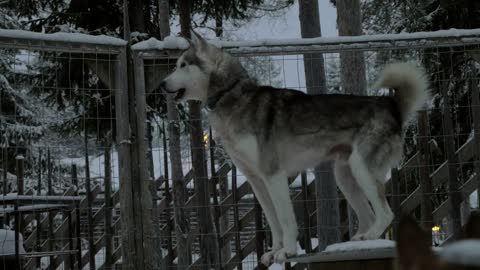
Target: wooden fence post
19	224
395	200
88	188
51	235
236	219
168	199
452	159
77	218
259	233
38	216
306	214
108	208
141	185
476	125
123	140
424	171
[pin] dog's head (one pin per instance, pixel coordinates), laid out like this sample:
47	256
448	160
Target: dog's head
191	78
414	249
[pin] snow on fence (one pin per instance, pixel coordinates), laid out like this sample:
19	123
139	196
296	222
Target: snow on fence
86	162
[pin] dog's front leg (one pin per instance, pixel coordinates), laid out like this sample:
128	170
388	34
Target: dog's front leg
263	196
277	186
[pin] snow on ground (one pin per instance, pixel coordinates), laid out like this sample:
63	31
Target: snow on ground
474	199
360	245
7	243
466	252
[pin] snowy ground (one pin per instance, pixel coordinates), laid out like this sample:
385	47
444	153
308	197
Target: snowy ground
7	243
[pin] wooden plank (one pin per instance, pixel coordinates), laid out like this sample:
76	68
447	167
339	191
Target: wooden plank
439	176
249	248
242	223
83	204
468	187
347	255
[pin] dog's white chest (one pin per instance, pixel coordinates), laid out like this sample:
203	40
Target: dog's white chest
248	146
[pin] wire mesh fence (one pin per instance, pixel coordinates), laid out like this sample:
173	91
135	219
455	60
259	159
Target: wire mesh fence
73	133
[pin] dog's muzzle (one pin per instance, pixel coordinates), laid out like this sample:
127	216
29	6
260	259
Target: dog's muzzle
178	93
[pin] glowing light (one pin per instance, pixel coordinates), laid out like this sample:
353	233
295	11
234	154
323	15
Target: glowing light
205	138
435	229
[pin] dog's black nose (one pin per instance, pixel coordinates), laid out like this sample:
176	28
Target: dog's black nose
162	85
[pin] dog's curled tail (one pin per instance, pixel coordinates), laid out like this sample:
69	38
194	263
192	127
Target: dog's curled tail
410	84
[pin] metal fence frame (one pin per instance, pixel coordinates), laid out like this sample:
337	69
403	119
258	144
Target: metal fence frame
131	138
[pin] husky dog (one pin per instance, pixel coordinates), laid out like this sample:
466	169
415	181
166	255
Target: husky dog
414	248
271	134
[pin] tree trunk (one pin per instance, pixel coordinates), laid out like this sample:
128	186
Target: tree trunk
181	213
137	18
328	222
164	18
222	181
352	64
208	245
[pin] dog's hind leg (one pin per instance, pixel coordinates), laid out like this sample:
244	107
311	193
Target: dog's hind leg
355	196
368	179
277	185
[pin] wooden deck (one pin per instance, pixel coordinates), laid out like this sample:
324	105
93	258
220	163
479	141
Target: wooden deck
375	259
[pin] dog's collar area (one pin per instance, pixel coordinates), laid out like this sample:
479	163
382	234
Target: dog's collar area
214	99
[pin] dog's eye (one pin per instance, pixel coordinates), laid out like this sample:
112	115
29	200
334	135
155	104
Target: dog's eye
182	65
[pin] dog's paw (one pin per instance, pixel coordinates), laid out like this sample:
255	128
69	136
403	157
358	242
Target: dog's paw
283	254
358	237
369	235
267	258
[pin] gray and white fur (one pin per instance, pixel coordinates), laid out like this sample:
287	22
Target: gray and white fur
271	134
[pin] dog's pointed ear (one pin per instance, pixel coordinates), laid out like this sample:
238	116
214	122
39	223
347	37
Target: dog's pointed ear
198	41
472	228
413	246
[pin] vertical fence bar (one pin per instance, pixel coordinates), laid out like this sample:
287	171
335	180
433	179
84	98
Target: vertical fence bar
77	218
306	214
38	216
395	195
20	182
424	171
259	232
88	188
476	125
168	199
452	161
71	229
51	236
236	219
108	208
